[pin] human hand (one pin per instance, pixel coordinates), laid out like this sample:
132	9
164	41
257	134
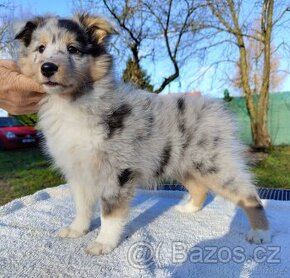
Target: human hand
18	94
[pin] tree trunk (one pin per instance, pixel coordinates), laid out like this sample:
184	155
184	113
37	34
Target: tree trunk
260	135
258	115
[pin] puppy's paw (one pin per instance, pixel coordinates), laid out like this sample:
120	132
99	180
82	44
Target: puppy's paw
98	248
187	208
258	236
68	232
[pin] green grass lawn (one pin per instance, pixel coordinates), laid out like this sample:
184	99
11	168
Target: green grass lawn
26	171
274	170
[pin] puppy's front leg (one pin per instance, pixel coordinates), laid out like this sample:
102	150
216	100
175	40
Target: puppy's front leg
114	212
85	197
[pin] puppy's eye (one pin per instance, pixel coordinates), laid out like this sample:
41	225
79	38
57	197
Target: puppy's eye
72	50
41	48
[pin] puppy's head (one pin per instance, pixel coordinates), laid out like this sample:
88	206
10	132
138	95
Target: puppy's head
64	55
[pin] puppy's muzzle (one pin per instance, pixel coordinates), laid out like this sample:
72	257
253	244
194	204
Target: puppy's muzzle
49	69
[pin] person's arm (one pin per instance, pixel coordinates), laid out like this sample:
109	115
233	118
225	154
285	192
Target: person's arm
18	94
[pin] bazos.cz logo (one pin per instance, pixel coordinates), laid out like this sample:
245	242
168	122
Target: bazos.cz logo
143	254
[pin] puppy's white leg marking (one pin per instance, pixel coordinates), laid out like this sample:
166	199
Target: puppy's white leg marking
187	207
259	236
109	236
85	200
114	215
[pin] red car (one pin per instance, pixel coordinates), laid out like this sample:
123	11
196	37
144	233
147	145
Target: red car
13	134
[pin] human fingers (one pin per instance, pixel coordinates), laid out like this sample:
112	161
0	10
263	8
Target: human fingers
9	64
16	102
12	79
20	82
20	109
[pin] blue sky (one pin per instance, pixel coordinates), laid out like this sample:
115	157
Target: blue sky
59	7
208	85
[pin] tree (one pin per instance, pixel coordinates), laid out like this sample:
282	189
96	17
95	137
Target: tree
176	24
130	18
227	96
134	74
229	18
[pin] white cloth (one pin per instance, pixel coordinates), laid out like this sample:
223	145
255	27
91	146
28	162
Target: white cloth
158	240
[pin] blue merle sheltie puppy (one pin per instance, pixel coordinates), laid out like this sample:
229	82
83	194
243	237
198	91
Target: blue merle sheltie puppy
107	137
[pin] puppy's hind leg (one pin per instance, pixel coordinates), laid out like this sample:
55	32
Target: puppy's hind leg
240	190
259	232
197	195
114	212
85	198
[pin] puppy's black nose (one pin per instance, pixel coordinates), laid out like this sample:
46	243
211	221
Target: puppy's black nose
48	69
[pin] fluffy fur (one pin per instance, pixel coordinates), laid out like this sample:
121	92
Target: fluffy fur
106	137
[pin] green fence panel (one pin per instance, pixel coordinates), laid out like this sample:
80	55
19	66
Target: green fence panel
278	118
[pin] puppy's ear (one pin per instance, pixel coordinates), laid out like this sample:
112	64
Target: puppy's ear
25	32
98	28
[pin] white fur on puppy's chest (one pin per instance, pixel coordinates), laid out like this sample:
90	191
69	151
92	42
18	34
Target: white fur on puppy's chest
69	138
